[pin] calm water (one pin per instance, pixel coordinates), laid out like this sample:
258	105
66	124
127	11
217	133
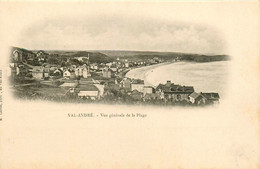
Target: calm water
205	77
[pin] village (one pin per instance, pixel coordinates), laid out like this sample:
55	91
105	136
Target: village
39	75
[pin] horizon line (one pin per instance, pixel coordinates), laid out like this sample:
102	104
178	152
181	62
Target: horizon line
118	50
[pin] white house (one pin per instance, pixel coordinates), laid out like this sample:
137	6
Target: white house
85	72
113	68
106	72
148	89
37	72
17	55
196	98
66	74
138	85
94	66
88	91
79	71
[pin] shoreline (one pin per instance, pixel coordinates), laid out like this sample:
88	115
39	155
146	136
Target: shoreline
142	71
210	77
145	69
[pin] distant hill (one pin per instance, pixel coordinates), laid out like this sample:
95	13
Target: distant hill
186	57
127	53
94	57
104	56
164	55
205	58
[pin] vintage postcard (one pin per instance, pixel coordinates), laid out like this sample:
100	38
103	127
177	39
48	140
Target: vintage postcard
88	84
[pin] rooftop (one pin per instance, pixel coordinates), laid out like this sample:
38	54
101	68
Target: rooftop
175	88
211	95
87	87
194	95
137	81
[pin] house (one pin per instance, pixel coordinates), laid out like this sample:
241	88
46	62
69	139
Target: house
85	72
211	97
78	71
40	52
14	69
53	68
37	72
148	89
173	92
196	98
109	64
41	56
46	72
66	74
72	74
83	58
152	61
30	56
107	72
57	73
87	91
94	66
82	71
17	55
137	84
113	68
126	83
20	70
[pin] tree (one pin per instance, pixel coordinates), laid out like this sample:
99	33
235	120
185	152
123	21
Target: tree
35	62
53	60
63	64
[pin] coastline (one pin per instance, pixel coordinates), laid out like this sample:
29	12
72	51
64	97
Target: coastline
204	77
141	72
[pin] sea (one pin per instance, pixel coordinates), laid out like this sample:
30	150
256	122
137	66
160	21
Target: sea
204	77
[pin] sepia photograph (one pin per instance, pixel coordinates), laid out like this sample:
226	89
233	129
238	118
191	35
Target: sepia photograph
113	60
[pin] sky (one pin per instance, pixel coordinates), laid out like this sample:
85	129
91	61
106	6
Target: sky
122	32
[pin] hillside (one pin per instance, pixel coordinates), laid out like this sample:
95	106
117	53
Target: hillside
186	57
104	56
165	55
94	57
127	53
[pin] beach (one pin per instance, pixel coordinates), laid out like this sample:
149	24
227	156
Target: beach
205	77
143	72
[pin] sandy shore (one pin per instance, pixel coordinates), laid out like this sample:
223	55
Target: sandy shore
142	72
204	77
